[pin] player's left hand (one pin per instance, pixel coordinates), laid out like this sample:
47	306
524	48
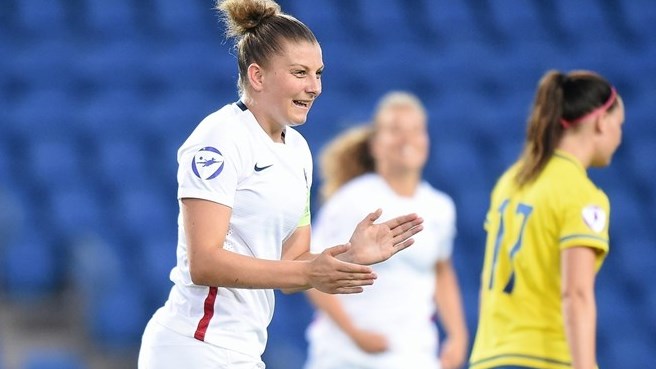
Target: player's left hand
373	243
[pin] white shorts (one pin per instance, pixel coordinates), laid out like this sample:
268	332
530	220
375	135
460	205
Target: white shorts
163	348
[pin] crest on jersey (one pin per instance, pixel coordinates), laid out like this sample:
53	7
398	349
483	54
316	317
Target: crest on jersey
208	163
594	217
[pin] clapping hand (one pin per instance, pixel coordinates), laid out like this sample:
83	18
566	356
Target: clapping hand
374	243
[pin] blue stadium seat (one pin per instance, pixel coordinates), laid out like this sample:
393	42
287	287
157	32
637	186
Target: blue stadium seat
456	166
75	211
155	257
288	346
382	24
114	302
114	64
117	317
635	256
31	266
322	23
472	203
12	215
519	21
53	162
186	19
125	161
111	20
174	115
96	263
454	21
640	16
144	210
628	348
41	18
584	21
92	92
638	151
43	112
628	218
508	148
53	358
111	113
194	65
638	110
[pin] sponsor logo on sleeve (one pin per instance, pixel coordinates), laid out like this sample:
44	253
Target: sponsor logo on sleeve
595	217
208	163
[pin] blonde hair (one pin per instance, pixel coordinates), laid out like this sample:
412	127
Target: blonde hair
348	155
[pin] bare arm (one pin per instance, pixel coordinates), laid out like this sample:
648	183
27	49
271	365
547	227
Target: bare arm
296	247
579	307
368	341
451	314
206	224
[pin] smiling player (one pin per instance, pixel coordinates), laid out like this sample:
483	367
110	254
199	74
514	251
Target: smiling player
244	178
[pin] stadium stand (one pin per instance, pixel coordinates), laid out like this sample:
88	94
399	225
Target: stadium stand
96	96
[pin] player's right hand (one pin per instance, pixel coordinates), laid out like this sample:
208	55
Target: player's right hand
330	275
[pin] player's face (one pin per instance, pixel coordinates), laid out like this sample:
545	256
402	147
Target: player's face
291	82
400	142
611	135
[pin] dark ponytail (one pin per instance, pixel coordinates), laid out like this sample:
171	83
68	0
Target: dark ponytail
561	102
544	129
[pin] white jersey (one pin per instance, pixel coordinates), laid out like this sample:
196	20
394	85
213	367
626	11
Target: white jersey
229	159
400	304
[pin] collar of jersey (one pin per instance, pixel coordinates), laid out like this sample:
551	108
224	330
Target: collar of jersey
571	158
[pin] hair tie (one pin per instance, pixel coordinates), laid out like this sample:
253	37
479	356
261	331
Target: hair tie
611	99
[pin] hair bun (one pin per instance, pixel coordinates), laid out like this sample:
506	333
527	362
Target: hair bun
243	16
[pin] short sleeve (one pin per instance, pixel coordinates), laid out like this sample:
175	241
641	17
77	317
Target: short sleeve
209	167
585	220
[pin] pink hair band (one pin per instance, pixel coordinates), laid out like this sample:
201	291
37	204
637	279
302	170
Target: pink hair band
613	95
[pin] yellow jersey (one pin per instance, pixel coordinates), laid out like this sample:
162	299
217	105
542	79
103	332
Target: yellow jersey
521	321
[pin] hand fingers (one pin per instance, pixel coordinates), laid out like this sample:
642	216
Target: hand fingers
407	225
407	234
402	220
339	249
403	245
375	215
348	290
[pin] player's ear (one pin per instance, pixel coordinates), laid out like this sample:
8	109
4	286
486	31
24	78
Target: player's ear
255	76
602	122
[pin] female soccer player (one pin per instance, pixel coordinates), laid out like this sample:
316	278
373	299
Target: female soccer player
243	187
547	231
390	325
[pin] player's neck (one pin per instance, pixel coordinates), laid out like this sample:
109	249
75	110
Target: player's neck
582	150
403	184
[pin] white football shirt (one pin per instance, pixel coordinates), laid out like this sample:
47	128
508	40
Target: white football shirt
230	160
400	304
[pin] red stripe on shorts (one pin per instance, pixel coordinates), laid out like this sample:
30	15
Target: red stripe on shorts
209	312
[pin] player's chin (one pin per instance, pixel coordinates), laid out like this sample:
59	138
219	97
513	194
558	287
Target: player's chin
298	119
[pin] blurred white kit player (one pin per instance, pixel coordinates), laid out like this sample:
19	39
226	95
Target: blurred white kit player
405	289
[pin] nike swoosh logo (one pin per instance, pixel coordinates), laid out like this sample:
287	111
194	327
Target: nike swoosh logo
259	169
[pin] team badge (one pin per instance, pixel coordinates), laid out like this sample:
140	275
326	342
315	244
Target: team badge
208	163
594	217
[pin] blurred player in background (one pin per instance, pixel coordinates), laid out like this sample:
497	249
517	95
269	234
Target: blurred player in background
389	325
547	231
244	227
